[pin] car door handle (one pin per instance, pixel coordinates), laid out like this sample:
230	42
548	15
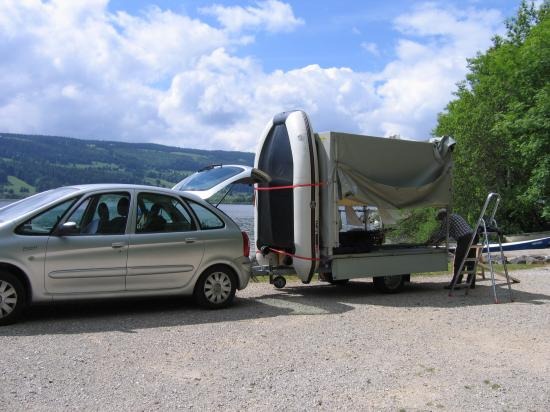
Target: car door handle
190	239
118	245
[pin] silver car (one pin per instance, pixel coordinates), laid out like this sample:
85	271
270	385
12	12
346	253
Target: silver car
111	241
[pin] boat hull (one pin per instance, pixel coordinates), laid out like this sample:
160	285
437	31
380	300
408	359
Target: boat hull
542	243
286	221
526	236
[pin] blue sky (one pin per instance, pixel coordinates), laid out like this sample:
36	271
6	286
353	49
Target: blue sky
210	74
332	34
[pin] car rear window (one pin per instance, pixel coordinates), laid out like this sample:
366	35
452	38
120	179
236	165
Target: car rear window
207	219
207	179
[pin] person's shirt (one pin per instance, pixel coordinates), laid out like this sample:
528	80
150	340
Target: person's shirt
458	227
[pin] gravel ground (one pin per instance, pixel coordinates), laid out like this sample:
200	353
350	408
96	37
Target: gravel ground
316	347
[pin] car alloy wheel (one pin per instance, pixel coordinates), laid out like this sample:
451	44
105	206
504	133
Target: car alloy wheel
12	298
8	298
216	287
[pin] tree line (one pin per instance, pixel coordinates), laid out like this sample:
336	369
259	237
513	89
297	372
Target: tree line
45	162
500	119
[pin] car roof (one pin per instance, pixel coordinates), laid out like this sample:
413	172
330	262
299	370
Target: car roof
126	186
78	190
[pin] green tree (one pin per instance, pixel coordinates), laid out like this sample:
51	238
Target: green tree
501	121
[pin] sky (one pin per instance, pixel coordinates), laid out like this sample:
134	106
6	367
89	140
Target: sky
211	74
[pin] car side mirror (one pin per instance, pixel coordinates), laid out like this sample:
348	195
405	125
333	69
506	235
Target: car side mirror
67	229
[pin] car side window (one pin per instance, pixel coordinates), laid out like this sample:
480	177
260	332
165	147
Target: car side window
44	223
161	213
102	214
207	219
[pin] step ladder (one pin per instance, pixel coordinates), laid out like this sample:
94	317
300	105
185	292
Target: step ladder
486	226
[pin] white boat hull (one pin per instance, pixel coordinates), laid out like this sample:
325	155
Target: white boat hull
286	221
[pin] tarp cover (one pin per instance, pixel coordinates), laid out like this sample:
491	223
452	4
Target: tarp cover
389	173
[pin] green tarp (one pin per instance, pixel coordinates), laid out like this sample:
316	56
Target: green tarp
390	174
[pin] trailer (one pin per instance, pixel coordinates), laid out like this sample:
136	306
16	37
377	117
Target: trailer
308	186
298	223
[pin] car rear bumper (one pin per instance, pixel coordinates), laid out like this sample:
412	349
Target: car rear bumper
244	270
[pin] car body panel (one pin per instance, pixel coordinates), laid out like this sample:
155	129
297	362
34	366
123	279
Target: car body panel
85	264
27	254
163	260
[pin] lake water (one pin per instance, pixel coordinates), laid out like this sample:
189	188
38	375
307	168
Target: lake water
4	202
243	215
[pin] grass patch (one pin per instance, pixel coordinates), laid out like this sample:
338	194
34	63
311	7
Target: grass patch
518	266
16	188
497	267
194	156
94	165
289	278
492	385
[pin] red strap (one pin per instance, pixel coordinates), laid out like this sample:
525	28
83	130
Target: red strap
290	186
282	252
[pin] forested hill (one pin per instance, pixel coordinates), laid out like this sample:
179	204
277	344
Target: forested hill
31	163
500	119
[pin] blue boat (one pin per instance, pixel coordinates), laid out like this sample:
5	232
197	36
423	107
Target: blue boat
542	243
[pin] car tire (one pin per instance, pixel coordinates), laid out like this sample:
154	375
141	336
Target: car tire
389	284
216	287
12	298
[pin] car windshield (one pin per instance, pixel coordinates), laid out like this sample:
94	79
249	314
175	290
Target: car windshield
31	203
207	179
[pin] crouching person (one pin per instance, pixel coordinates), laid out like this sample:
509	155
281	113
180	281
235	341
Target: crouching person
461	232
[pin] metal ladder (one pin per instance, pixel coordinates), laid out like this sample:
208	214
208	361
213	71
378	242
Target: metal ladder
488	226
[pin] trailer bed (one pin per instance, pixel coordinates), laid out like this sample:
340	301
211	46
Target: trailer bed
389	260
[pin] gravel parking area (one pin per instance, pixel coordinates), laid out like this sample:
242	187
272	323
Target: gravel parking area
316	347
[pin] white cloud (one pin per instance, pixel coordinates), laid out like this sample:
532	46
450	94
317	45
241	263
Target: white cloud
162	42
431	20
371	48
419	82
234	99
75	69
273	15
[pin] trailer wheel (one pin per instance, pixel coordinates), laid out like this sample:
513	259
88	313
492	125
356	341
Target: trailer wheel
279	282
389	284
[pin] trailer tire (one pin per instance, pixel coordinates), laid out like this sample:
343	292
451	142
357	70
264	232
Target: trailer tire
279	282
389	284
